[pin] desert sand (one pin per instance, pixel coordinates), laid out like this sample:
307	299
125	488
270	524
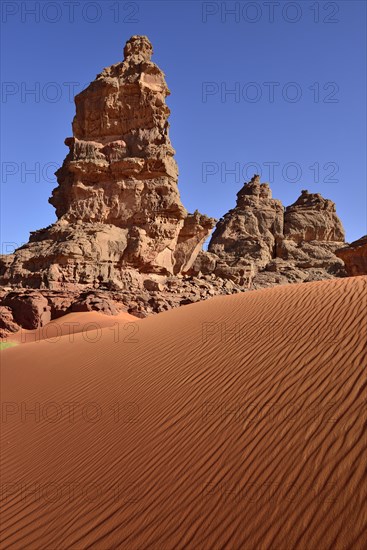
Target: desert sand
231	423
70	324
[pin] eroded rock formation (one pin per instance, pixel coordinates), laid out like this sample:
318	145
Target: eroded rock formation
117	199
312	233
123	239
248	232
355	257
261	240
29	309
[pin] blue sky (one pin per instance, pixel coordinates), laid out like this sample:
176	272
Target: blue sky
277	88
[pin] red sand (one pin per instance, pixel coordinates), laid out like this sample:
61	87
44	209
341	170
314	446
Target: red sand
70	324
231	423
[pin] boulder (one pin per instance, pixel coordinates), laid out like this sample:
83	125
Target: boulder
153	286
95	302
30	310
7	323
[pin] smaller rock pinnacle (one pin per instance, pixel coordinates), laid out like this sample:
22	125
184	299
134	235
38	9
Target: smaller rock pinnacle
138	49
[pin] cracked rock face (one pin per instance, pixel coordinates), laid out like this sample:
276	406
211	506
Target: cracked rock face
124	241
312	233
312	218
117	199
248	231
261	239
355	257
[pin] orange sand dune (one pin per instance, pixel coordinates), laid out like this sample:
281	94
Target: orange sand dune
232	423
70	324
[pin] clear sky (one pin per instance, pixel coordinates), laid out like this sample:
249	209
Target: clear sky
272	87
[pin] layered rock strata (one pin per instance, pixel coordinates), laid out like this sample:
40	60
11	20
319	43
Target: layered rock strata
124	241
117	199
261	242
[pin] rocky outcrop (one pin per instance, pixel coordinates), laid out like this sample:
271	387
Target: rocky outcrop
29	309
248	232
7	323
123	240
354	257
312	233
117	200
190	240
92	301
259	242
312	218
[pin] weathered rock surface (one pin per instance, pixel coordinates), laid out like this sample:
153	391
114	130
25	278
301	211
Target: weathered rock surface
248	232
29	309
259	242
123	241
312	218
7	323
354	257
117	200
312	234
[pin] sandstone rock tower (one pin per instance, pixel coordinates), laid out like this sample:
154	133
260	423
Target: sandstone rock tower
117	200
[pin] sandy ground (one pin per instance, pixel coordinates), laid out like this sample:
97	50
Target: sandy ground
70	324
232	423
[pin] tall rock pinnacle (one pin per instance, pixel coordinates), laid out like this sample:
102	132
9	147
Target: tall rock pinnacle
138	49
117	199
